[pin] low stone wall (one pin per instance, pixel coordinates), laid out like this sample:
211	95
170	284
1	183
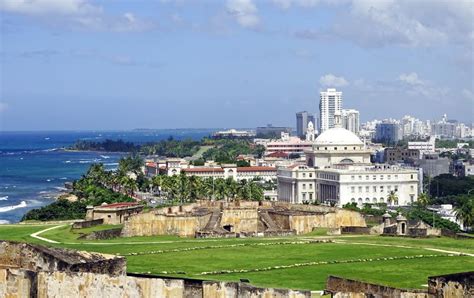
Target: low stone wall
104	234
452	285
87	223
355	230
241	219
347	288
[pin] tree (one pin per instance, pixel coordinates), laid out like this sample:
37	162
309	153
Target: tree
465	210
423	199
392	197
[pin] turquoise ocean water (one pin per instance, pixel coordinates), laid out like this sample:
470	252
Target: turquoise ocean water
34	168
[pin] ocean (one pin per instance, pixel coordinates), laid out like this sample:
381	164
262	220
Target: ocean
34	168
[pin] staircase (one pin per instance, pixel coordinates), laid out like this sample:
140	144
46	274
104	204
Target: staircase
268	221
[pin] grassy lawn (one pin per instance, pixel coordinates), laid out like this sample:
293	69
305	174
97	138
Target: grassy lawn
255	253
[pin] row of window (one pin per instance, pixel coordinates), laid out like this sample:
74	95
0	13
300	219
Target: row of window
378	188
335	148
310	186
381	177
310	175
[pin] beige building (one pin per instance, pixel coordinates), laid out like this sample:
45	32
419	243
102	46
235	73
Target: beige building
113	214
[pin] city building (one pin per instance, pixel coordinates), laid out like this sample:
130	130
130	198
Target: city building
338	171
401	155
330	102
424	147
271	131
387	132
213	171
302	121
444	128
287	144
233	134
433	165
350	120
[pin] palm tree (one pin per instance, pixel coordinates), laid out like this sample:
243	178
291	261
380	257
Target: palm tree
392	197
423	199
129	185
465	211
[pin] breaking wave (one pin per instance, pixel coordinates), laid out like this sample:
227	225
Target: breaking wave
13	207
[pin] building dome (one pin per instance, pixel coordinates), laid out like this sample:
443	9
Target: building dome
338	136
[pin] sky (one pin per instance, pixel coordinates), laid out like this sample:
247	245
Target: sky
110	65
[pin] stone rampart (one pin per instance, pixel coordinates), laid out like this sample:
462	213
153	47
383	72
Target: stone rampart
346	288
36	257
452	285
149	224
87	223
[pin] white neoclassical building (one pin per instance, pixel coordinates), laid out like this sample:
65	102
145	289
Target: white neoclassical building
338	171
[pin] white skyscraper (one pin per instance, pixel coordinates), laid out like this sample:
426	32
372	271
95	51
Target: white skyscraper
350	120
330	102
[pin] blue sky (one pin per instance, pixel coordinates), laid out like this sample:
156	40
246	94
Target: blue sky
84	64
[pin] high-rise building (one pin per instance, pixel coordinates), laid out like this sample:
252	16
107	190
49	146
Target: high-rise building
387	132
330	102
350	120
302	121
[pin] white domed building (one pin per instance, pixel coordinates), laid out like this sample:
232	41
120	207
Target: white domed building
338	171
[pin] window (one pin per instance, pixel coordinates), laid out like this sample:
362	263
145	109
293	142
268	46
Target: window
411	176
375	188
304	175
353	189
381	177
381	200
374	177
367	200
345	148
335	148
396	187
360	177
310	196
310	175
374	200
310	186
389	177
353	200
389	188
304	196
360	188
412	187
367	188
381	188
304	186
367	177
412	198
352	177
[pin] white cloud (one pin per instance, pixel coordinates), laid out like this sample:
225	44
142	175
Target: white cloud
330	80
48	7
411	79
245	12
75	14
414	23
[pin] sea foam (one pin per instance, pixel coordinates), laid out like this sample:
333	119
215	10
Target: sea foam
13	207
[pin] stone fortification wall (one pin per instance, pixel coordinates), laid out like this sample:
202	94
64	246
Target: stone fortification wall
104	234
452	285
65	284
87	223
347	288
17	283
241	219
36	257
306	223
149	224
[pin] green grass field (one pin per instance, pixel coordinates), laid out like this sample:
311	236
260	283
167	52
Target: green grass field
384	260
